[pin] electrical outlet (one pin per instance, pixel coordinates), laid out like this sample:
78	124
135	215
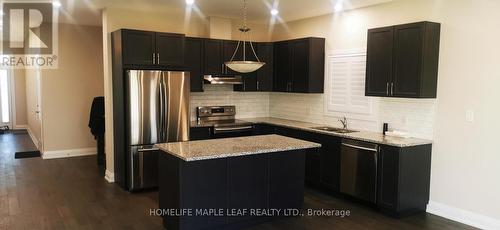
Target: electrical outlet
469	115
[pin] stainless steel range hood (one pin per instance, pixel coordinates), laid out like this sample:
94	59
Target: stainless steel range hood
223	80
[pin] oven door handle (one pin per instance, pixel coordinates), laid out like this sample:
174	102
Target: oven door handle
232	129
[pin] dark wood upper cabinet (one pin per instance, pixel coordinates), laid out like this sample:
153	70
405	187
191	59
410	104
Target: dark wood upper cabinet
138	47
213	57
262	79
282	70
402	60
299	65
146	48
170	49
193	61
265	74
379	61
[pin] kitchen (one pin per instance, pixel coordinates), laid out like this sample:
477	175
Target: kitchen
210	150
266	114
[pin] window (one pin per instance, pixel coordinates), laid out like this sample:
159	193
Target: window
346	85
4	97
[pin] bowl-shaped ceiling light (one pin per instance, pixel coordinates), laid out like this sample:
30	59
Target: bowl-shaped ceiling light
244	66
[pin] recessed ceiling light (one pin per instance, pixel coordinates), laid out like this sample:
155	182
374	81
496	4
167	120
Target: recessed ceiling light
274	12
56	4
190	2
338	7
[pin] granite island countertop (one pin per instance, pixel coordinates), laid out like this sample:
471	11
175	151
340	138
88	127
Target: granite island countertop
232	147
372	137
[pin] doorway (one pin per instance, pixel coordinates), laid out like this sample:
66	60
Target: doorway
5	99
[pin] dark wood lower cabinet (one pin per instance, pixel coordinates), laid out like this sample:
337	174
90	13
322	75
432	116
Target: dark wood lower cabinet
223	187
200	133
403	173
404	179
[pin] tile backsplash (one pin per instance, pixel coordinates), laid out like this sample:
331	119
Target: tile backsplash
415	116
248	104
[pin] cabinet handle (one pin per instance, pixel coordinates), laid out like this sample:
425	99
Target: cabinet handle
154	58
222	68
257	85
392	88
158	58
387	89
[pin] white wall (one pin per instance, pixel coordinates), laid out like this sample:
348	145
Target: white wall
465	162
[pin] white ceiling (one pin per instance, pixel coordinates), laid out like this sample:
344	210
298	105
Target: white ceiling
87	12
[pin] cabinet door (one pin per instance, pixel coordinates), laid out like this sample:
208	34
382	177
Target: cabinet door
282	54
228	50
265	74
388	177
170	49
213	57
313	166
138	47
248	183
300	66
330	162
379	61
408	44
264	129
194	63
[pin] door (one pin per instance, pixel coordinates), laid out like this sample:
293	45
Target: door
265	74
144	106
408	43
174	112
282	68
194	63
330	162
170	49
5	99
388	176
379	61
139	47
213	57
300	66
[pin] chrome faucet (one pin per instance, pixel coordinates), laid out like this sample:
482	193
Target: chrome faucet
344	122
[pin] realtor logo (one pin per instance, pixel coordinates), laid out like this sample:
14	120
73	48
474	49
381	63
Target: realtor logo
28	34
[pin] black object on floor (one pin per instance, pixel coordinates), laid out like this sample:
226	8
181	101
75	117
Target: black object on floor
27	154
3	129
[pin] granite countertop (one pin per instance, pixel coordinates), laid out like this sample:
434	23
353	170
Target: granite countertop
231	147
373	137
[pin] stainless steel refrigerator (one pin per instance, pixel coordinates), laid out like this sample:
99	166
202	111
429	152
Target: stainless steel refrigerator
157	112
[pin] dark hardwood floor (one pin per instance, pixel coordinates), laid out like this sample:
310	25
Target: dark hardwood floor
70	194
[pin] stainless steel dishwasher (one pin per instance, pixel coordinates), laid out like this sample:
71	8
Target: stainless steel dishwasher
358	169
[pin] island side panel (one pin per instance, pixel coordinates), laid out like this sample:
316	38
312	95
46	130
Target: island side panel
203	189
286	179
169	188
248	185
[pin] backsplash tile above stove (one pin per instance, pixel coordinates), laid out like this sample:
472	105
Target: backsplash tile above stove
248	105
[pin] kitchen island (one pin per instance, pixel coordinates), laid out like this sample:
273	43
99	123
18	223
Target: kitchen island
231	182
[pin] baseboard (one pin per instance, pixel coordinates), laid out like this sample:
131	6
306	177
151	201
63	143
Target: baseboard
32	136
109	176
69	153
20	127
463	216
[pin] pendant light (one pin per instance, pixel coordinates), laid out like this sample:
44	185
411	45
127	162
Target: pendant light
244	66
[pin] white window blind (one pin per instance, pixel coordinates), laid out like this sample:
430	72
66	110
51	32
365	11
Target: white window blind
346	85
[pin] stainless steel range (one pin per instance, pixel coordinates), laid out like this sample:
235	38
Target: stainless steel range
222	118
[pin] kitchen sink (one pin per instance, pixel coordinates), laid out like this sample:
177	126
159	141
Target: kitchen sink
333	129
